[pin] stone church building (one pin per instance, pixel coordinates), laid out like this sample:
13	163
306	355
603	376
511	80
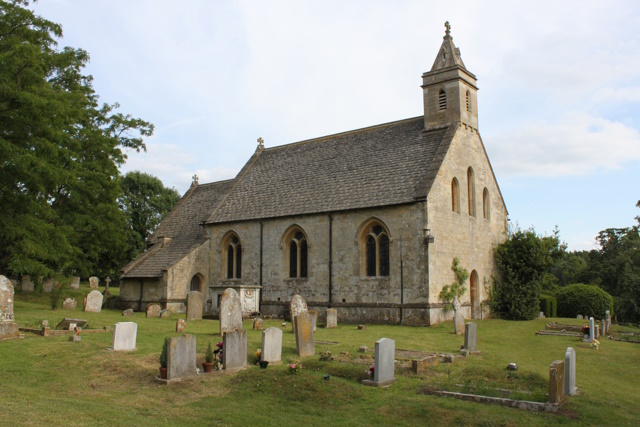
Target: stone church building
367	221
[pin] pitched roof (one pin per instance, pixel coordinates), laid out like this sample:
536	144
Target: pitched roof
182	225
449	54
389	164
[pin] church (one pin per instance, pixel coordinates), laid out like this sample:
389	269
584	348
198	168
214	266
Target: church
366	221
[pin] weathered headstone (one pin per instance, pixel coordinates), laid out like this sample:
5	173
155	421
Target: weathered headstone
579	316
297	306
230	311
47	285
128	312
384	365
418	366
66	322
153	310
124	336
332	318
8	327
181	357
592	330
458	318
26	284
258	324
607	317
195	301
570	372
69	304
314	319
304	335
93	302
470	333
556	382
271	350
75	282
93	282
165	314
603	327
597	333
181	325
106	286
234	350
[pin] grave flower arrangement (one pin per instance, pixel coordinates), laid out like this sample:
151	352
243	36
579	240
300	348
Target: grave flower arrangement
595	344
210	360
371	370
294	368
325	357
585	330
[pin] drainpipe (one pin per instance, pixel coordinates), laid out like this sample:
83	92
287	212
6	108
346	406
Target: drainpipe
401	282
140	300
330	258
261	240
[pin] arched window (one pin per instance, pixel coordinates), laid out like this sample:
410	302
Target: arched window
232	248
375	243
455	196
471	187
468	101
486	204
298	250
195	283
442	100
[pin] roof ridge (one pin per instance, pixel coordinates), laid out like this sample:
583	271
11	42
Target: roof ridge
172	212
424	187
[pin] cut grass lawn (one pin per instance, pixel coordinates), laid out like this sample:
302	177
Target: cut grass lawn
51	381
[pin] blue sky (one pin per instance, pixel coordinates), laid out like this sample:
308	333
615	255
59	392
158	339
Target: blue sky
559	99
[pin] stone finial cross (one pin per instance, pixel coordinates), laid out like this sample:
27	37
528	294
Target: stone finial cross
448	28
195	180
261	142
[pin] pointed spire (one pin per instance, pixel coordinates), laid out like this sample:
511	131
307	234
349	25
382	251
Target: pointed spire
449	54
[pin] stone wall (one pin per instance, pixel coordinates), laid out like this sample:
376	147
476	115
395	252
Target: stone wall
179	278
153	290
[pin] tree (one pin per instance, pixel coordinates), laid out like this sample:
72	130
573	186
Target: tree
59	154
522	261
145	201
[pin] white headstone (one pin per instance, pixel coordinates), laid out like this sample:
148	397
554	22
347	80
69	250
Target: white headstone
124	336
93	302
384	367
271	345
570	371
332	318
592	330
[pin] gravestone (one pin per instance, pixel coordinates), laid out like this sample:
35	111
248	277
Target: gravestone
570	372
541	315
297	306
8	327
556	382
67	322
597	333
470	333
69	304
93	282
384	365
181	325
153	310
332	318
230	311
106	286
314	319
75	282
418	366
592	330
603	327
304	335
128	312
181	357
165	314
26	283
93	302
124	336
607	316
47	285
194	306
234	350
271	350
579	316
258	324
458	318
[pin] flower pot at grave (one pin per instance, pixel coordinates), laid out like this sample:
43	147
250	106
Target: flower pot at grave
264	364
163	373
207	367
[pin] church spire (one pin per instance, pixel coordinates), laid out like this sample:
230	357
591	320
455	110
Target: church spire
449	89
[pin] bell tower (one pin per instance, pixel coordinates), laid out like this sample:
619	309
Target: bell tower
449	90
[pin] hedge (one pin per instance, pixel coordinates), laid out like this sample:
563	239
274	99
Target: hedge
549	306
587	300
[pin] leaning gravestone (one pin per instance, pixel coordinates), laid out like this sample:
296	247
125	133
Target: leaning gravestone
314	319
556	382
332	318
297	306
271	350
124	336
384	365
234	350
230	311
458	318
8	327
75	282
181	357
93	282
570	372
153	310
304	334
69	304
26	284
194	306
93	302
470	333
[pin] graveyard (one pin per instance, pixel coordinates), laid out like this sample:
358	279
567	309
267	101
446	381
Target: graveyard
109	379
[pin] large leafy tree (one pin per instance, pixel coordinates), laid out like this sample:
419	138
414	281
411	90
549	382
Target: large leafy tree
145	201
59	155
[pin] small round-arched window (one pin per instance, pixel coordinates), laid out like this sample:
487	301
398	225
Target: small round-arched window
195	284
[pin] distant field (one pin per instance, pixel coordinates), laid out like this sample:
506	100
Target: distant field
51	381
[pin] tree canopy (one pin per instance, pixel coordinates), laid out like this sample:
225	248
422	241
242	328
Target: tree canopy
60	150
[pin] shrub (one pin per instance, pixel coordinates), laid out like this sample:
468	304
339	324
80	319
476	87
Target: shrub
163	355
588	300
548	305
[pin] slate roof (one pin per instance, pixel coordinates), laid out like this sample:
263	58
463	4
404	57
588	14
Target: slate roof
183	226
389	164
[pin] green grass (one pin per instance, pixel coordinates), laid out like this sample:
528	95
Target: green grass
51	381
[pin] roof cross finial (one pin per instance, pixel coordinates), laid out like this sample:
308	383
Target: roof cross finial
447	32
260	143
195	180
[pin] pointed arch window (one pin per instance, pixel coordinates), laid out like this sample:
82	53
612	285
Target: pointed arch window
468	101
486	203
442	100
375	242
298	254
455	195
232	248
195	283
471	189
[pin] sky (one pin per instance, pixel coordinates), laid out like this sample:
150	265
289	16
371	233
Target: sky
558	100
